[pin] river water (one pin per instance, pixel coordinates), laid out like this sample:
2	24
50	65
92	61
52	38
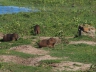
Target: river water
15	9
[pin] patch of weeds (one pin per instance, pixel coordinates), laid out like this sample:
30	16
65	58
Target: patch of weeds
9	44
82	38
0	65
48	62
92	68
11	67
21	41
5	45
20	54
33	37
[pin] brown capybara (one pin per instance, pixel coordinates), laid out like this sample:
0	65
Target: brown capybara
51	42
37	29
47	42
43	43
10	37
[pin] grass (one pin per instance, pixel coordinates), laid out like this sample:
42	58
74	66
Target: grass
7	45
80	53
86	38
15	53
56	16
21	68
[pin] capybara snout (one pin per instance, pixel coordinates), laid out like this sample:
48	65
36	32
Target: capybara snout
37	29
10	37
47	42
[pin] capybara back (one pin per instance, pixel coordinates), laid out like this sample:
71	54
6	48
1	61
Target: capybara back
47	42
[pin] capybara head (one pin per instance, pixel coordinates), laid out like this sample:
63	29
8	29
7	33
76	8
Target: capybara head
37	29
15	36
51	42
10	37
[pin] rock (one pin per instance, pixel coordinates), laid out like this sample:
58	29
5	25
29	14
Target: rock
86	29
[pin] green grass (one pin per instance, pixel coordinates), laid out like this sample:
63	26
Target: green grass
80	53
21	68
15	53
55	17
86	38
7	45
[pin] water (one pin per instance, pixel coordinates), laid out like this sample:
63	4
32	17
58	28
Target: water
15	9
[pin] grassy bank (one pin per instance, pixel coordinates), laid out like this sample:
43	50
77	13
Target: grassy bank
54	17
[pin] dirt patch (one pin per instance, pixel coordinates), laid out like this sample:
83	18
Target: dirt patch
65	65
28	62
70	66
11	58
85	42
29	49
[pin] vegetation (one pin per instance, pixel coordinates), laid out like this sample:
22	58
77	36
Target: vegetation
56	16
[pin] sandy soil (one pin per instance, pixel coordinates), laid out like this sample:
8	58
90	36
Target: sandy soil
70	66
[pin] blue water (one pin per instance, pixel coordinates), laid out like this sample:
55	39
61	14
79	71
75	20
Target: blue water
15	9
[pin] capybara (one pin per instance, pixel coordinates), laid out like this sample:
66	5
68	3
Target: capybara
43	43
51	42
10	37
47	42
37	29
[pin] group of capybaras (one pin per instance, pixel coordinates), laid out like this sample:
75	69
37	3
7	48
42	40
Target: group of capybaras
83	29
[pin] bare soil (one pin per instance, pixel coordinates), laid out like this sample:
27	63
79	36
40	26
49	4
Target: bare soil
70	66
28	62
29	49
83	42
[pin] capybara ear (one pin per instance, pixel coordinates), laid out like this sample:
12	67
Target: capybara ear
37	29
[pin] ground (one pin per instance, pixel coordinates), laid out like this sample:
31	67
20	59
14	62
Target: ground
44	55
